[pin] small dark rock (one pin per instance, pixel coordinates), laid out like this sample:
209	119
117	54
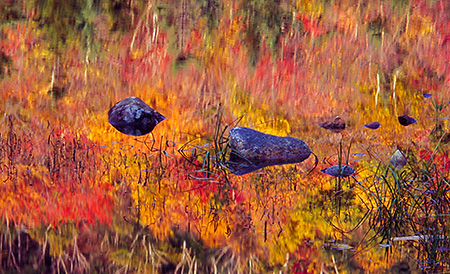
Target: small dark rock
406	120
373	125
252	150
336	125
132	116
339	171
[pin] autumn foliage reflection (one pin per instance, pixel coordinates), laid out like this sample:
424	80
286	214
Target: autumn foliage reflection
52	179
85	197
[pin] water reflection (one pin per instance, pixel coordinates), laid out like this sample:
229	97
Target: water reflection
241	166
78	196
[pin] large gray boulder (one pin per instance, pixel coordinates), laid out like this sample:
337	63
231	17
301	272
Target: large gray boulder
132	116
252	150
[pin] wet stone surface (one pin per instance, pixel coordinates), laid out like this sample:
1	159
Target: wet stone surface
406	120
252	150
372	125
339	171
132	116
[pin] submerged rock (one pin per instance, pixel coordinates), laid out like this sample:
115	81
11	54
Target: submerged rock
339	171
132	116
252	150
398	159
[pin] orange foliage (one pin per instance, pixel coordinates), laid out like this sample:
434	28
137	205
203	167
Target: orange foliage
61	162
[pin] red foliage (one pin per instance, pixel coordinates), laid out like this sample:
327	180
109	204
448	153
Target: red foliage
79	206
142	63
303	255
433	73
194	40
441	160
311	26
68	191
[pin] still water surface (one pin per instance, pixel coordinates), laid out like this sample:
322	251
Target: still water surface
79	196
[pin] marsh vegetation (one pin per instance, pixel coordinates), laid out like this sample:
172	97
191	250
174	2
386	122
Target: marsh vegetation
77	195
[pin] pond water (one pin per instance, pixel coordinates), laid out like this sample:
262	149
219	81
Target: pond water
79	196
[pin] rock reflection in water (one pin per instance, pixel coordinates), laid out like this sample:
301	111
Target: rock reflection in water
244	166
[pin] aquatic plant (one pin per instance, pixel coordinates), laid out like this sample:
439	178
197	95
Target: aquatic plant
412	205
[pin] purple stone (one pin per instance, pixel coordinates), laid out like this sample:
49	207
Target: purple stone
132	116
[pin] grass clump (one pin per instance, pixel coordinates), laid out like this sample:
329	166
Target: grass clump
412	204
